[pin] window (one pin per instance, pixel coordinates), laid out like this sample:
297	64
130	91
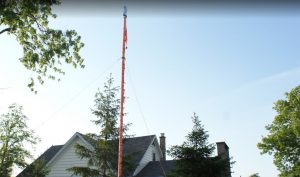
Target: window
153	157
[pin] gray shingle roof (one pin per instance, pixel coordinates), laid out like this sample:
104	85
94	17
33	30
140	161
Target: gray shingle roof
46	157
135	146
157	169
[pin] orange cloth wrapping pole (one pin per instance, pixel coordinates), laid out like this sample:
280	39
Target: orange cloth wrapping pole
120	154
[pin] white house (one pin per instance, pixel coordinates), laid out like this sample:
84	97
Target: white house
149	156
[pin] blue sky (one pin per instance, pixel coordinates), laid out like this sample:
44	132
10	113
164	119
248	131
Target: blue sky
228	68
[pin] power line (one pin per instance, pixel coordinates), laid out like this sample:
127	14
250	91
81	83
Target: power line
4	88
138	102
78	94
142	114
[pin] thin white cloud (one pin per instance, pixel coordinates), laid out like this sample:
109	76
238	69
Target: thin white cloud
284	81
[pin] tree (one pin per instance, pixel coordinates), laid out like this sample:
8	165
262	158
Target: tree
102	160
44	49
194	156
37	169
283	140
254	175
14	135
40	169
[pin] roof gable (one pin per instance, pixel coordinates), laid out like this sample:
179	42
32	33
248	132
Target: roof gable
70	141
134	146
137	147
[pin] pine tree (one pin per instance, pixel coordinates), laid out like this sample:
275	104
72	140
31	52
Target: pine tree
254	175
102	160
194	156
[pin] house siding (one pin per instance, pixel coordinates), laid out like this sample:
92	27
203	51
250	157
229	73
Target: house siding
67	159
148	156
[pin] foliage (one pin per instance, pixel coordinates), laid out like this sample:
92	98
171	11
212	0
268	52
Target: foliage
103	158
44	49
193	157
40	169
283	140
37	169
14	134
106	109
254	175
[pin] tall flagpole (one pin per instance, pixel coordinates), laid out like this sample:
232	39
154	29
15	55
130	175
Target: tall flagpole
120	154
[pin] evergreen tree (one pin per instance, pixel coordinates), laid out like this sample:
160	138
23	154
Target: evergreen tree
254	175
102	160
194	156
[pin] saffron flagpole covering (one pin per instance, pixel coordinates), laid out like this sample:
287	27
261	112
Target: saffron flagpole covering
124	46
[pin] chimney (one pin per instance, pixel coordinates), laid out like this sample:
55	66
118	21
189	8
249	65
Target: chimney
223	149
223	152
162	144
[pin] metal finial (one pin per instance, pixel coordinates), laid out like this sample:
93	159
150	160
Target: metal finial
125	11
